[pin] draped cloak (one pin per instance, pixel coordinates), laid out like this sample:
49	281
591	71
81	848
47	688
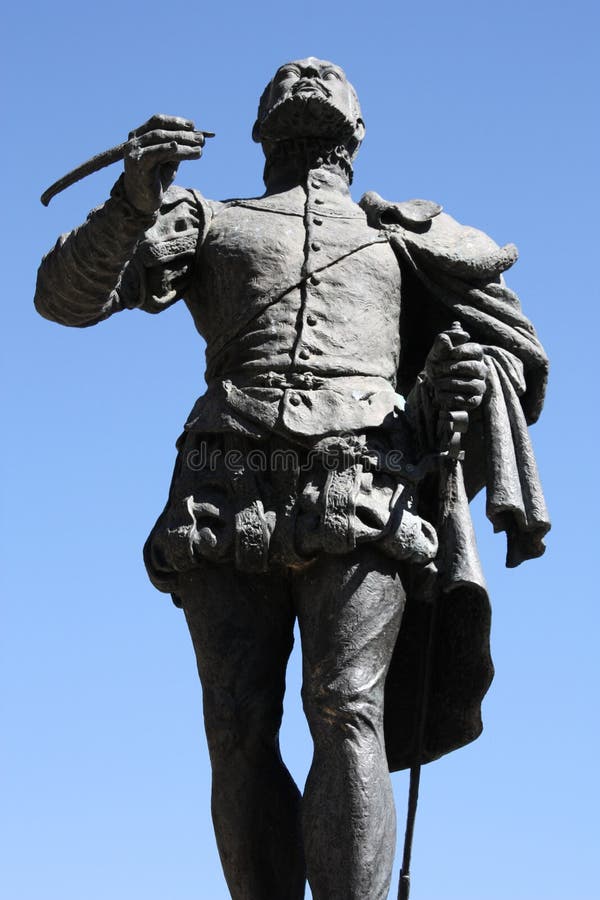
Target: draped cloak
452	273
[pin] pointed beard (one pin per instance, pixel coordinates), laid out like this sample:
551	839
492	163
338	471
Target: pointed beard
303	116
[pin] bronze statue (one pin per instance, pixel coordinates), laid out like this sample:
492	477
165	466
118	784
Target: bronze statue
368	372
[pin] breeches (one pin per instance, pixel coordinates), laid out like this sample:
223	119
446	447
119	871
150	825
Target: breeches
268	506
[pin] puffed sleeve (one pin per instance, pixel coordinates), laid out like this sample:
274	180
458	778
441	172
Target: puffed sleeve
122	259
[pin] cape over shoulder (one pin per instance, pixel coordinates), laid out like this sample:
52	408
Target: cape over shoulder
459	249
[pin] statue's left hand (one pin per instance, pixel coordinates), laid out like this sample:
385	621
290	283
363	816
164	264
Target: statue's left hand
456	373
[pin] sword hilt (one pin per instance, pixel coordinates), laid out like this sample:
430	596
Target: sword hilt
453	424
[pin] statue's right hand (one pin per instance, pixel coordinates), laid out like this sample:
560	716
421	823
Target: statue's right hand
153	155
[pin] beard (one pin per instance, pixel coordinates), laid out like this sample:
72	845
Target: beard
306	115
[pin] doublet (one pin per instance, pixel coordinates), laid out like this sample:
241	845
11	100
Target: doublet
297	297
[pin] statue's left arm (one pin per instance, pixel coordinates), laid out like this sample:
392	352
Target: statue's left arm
454	273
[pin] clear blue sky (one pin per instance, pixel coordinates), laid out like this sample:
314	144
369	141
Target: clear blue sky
488	108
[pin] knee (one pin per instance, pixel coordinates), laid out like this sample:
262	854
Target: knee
239	728
351	703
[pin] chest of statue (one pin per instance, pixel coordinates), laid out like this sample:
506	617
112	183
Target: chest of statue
297	279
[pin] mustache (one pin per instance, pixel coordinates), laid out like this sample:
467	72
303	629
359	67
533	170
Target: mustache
310	83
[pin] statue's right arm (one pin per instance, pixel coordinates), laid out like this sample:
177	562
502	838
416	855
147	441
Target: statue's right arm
98	268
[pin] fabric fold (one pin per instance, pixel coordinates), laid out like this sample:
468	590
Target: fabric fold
515	501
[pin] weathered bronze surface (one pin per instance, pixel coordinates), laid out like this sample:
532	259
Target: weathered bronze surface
368	373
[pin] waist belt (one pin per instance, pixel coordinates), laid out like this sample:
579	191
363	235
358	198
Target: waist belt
308	381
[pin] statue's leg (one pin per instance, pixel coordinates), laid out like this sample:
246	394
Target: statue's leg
242	629
349	609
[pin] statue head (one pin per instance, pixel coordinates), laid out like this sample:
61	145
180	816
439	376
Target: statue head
309	100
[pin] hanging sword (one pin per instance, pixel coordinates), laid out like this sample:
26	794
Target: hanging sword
451	426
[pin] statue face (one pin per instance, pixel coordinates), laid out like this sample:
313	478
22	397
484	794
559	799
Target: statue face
309	98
